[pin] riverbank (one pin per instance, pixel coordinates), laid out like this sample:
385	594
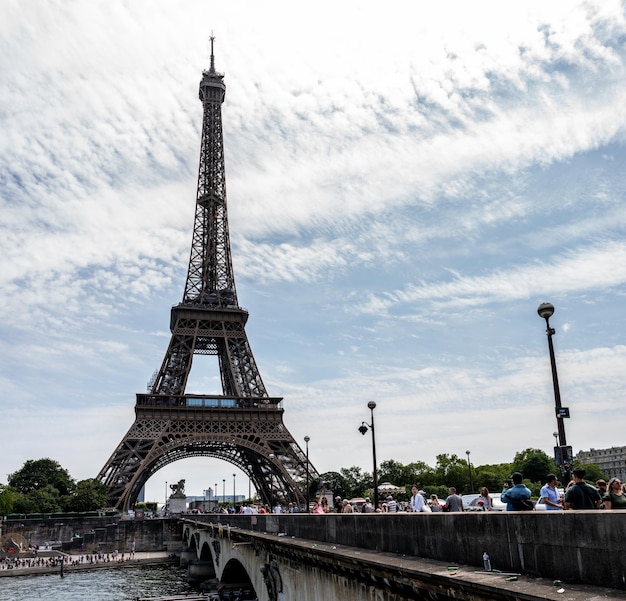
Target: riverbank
146	558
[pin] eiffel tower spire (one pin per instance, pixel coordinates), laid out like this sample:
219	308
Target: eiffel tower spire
244	424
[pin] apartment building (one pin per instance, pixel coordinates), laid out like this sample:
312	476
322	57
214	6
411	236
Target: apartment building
611	461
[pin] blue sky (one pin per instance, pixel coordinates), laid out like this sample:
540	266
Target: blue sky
405	187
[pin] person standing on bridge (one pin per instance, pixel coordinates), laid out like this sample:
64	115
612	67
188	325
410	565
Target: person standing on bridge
346	507
453	503
416	502
516	497
582	495
392	506
549	495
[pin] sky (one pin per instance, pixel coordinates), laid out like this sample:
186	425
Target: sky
405	186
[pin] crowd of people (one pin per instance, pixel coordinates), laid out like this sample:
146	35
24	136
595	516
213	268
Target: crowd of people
578	494
515	496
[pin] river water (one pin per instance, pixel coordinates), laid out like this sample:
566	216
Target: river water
122	584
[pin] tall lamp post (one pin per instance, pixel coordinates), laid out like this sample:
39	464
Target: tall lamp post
363	430
234	490
546	310
469	469
215	493
306	440
223	490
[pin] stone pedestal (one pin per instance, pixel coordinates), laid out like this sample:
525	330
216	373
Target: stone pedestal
177	503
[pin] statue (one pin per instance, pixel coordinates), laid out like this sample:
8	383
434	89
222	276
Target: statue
178	489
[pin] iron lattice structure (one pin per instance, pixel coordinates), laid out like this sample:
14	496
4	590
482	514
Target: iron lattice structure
243	425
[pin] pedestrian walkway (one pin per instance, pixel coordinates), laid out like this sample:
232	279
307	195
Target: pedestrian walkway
68	564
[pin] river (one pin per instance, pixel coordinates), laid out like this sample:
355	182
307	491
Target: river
97	585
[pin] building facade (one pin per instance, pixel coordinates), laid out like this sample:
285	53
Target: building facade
611	461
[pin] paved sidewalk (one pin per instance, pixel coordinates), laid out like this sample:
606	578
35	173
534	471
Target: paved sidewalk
141	558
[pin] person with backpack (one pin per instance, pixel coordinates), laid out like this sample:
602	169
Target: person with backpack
517	495
582	495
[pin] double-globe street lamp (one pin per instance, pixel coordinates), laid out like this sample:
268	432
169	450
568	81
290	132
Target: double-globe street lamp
306	440
363	430
546	310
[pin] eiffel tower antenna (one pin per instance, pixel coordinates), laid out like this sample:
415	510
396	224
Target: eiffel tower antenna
212	68
243	425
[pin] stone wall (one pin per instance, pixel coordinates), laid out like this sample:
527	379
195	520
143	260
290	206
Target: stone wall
98	533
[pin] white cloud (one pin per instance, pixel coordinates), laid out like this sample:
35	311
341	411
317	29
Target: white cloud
437	167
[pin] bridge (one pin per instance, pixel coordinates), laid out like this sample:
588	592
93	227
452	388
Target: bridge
361	557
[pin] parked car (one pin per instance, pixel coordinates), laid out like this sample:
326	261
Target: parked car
470	502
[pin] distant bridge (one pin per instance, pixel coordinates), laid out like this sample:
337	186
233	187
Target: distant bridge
362	557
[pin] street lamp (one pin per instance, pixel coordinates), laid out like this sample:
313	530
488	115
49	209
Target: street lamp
363	430
234	490
306	440
165	506
469	468
215	493
546	310
223	490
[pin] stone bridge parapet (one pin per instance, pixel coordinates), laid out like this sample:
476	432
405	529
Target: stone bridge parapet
399	555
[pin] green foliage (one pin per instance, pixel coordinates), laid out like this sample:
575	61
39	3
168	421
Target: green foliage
592	471
335	482
38	474
451	470
491	476
89	495
24	504
534	465
356	481
7	498
43	486
146	506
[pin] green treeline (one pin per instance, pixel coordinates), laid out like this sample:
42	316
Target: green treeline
42	486
450	470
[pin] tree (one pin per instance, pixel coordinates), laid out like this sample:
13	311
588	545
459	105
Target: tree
451	470
335	482
89	495
36	474
357	482
392	471
492	476
534	465
592	471
7	498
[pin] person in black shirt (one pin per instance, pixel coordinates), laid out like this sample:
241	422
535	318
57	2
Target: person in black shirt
582	495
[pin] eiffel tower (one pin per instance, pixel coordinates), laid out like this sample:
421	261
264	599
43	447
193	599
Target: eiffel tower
243	425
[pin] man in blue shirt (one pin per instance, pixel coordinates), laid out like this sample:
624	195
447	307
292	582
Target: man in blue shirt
549	495
516	497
